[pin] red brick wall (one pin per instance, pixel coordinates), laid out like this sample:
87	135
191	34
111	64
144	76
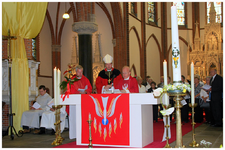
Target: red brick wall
5	118
28	47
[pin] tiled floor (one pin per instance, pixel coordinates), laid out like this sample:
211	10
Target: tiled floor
29	140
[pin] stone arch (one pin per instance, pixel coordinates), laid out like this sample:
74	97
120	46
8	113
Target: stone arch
134	69
156	40
138	38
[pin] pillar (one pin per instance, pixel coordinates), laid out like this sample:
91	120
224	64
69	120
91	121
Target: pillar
85	29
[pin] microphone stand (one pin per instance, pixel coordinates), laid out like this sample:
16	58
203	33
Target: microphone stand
11	127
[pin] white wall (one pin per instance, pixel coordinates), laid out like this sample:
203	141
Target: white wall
134	52
45	56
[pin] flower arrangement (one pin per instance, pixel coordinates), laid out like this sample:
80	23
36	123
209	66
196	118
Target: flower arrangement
182	87
70	78
170	87
206	144
159	92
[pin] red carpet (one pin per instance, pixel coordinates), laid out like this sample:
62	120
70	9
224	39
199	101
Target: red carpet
158	133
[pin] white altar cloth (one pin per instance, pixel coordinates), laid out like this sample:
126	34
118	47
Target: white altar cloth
141	118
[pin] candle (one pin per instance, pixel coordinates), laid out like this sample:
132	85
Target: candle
165	80
175	47
58	85
55	86
192	85
89	116
203	71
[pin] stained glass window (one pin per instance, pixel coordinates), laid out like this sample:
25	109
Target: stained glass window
131	7
151	11
180	12
34	48
217	6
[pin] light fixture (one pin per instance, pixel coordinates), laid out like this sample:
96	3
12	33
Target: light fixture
66	15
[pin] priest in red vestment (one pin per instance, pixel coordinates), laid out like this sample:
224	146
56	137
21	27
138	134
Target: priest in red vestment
108	77
82	86
128	84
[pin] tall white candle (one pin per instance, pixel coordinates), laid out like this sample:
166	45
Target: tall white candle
192	85
55	84
58	86
165	80
175	47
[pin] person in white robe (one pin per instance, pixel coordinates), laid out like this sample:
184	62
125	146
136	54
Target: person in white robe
30	118
48	117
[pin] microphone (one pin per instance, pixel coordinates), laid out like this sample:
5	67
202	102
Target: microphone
113	78
112	83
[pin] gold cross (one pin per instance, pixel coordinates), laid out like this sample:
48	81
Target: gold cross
109	81
9	39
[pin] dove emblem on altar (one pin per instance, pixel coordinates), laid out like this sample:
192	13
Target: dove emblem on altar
104	113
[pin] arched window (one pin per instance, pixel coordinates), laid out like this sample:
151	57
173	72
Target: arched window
151	12
180	12
132	8
218	9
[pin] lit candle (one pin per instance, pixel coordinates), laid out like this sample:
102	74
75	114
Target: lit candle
192	85
175	47
55	86
165	80
89	116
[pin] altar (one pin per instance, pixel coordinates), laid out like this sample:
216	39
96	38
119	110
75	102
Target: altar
140	119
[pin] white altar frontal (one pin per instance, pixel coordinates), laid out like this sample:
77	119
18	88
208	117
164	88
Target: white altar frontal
141	118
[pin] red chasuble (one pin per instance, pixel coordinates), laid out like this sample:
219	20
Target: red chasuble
103	79
130	84
80	84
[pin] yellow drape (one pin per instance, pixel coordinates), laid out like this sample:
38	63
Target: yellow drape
25	20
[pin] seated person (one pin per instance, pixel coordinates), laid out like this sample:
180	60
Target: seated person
128	84
48	118
155	107
30	118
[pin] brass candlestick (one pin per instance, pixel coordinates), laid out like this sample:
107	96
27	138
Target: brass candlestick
167	136
178	96
193	143
58	140
90	137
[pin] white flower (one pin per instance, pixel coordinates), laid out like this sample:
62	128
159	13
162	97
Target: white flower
167	111
157	92
206	144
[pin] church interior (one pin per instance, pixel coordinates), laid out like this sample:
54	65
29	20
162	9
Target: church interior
135	34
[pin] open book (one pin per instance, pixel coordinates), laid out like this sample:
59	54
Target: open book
206	87
36	105
82	90
110	91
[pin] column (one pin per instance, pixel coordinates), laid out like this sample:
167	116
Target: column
85	29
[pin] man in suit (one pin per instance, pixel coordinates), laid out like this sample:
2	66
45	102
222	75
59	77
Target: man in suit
216	98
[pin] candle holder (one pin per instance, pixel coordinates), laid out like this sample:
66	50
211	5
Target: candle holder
90	137
58	140
193	143
178	96
167	130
